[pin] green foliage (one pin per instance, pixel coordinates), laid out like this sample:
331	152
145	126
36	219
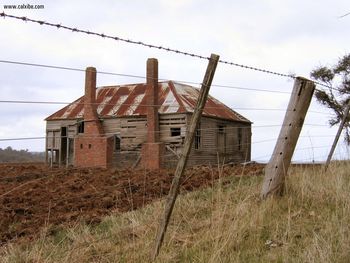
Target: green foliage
10	155
337	96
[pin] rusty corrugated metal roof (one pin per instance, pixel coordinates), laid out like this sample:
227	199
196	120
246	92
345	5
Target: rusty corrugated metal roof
130	100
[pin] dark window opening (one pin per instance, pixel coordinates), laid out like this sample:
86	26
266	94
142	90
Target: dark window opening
81	127
175	132
221	129
81	146
89	146
64	142
117	143
63	131
197	138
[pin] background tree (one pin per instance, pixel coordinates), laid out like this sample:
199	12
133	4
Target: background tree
337	95
10	155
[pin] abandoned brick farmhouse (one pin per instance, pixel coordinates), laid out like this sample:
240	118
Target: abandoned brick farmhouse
143	125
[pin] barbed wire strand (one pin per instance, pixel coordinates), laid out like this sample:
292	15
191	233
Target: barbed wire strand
161	132
159	79
122	184
140	77
140	43
263	157
145	105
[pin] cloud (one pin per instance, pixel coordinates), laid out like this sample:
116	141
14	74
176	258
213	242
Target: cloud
284	36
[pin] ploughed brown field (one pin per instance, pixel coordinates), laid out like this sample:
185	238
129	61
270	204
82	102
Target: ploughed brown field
33	196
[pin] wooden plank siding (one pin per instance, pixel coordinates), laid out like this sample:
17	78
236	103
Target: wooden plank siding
53	132
132	133
167	122
220	140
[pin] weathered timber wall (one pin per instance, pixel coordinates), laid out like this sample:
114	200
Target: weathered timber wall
220	140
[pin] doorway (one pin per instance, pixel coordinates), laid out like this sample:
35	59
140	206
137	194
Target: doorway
63	149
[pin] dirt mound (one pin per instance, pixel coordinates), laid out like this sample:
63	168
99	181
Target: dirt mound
33	196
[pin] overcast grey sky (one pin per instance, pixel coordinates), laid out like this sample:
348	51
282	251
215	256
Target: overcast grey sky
285	36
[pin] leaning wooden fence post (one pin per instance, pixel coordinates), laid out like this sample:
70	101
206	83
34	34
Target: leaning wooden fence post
345	116
174	189
277	168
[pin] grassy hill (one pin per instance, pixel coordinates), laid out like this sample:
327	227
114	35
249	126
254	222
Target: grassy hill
226	223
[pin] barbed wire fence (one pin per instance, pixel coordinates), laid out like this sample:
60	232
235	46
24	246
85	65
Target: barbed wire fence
310	151
141	43
147	105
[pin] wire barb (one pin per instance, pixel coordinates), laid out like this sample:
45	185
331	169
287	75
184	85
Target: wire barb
167	49
138	77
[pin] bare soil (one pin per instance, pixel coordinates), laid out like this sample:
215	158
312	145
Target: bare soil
33	196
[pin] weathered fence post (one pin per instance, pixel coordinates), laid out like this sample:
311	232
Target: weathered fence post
345	116
174	189
277	168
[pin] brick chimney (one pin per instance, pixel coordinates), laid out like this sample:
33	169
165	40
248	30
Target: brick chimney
152	101
153	149
92	148
92	125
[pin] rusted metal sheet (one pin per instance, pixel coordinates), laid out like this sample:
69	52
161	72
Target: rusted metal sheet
130	100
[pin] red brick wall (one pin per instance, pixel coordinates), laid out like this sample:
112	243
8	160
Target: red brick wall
152	155
93	152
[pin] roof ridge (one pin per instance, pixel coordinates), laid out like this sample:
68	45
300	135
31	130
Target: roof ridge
134	84
185	96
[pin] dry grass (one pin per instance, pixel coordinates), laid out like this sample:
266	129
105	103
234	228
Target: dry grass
227	223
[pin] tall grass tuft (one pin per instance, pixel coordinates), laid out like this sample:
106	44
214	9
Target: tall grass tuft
226	223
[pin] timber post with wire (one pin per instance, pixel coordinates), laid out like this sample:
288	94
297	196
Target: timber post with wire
181	165
341	126
277	168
